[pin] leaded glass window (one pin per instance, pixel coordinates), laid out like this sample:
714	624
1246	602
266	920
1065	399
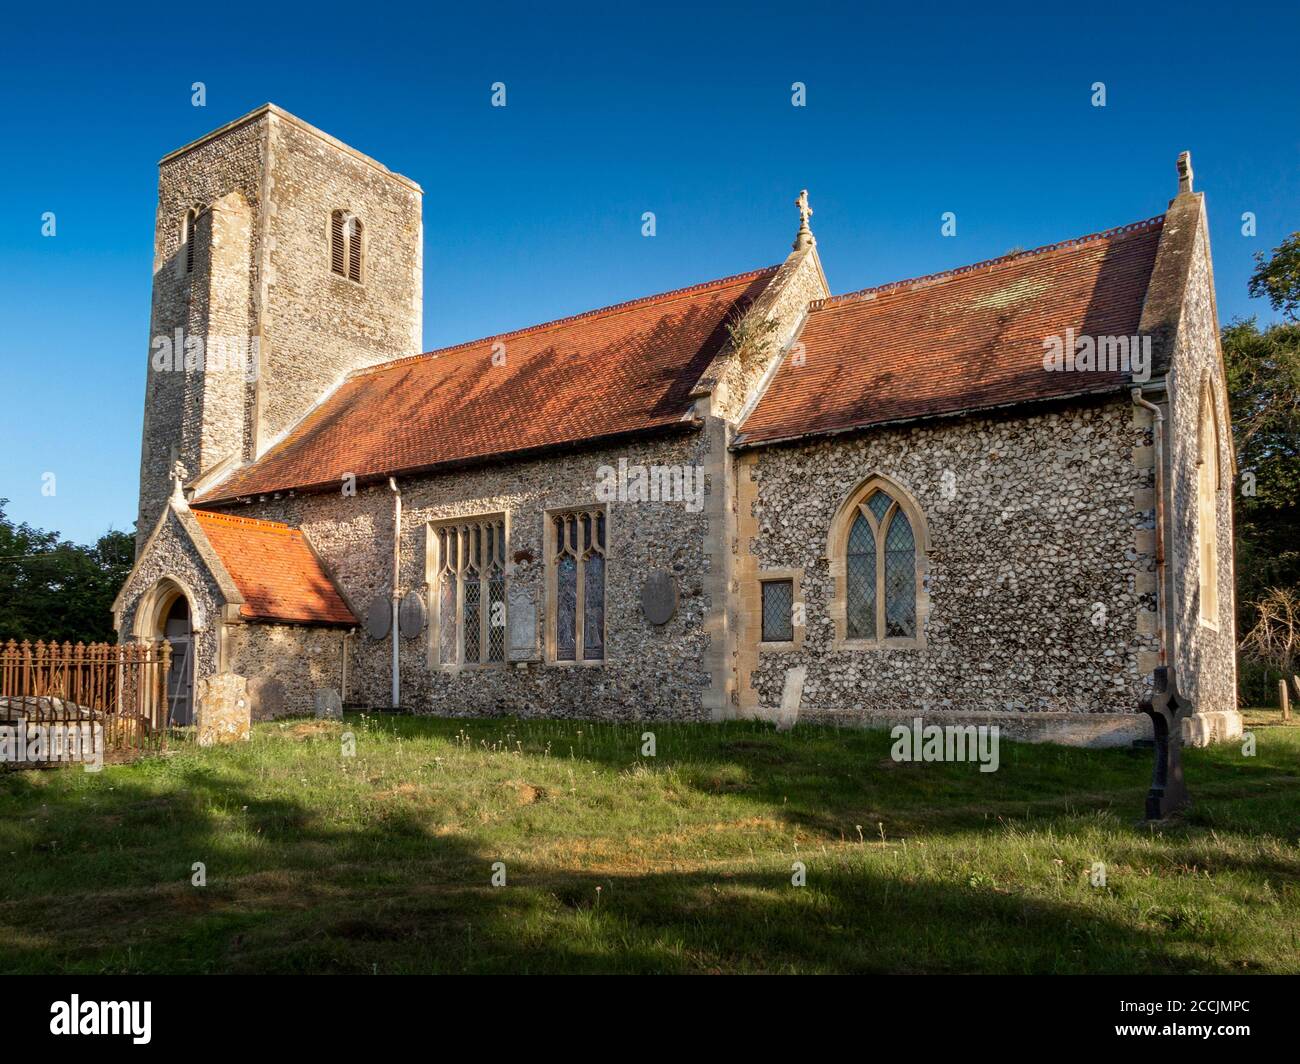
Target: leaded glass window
860	572
880	571
900	578
778	611
471	591
578	551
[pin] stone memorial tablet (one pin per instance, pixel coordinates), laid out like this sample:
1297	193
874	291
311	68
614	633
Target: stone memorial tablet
521	616
410	616
659	597
379	617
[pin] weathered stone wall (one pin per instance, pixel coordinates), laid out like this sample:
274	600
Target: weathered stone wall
317	325
228	169
286	664
1032	573
649	672
1204	656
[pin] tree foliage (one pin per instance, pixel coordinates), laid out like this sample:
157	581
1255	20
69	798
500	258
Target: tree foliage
55	590
1263	368
1277	278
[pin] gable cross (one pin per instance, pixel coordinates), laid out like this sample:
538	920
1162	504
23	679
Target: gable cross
178	481
805	212
804	237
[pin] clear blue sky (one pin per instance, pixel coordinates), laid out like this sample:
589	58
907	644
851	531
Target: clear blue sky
534	211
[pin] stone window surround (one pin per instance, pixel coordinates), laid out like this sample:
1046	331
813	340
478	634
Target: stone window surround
329	246
763	576
552	598
432	569
837	545
1207	510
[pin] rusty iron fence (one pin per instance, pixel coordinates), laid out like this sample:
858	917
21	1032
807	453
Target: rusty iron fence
122	688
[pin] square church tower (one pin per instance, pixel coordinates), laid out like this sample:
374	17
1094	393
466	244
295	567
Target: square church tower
283	259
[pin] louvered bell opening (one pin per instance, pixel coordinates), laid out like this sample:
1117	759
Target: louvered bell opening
354	251
190	228
337	258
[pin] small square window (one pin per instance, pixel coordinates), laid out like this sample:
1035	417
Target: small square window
778	611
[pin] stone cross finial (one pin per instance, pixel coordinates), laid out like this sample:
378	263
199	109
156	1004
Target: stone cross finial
1184	172
178	481
804	237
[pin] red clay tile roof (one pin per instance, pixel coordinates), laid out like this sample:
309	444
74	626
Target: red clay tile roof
275	570
624	369
964	340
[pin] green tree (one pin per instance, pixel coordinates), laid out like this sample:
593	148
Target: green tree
1277	278
1263	367
55	590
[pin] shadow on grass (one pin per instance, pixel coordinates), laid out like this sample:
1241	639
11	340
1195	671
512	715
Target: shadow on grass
828	781
106	887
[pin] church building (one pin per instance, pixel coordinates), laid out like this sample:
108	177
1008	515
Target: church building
998	494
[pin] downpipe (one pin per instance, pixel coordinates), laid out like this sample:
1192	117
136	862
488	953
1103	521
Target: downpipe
1158	447
1168	791
397	558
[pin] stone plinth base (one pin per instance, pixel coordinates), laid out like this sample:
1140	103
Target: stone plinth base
1214	726
1069	729
225	711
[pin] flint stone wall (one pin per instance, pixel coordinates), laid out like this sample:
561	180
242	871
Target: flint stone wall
286	664
1036	547
178	413
650	672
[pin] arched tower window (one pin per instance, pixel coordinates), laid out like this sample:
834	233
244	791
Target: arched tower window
188	233
346	239
1207	507
877	552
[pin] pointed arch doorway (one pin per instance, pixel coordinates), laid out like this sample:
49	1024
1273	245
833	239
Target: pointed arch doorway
166	611
178	631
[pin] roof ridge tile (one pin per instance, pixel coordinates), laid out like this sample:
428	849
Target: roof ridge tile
247	522
613	308
908	284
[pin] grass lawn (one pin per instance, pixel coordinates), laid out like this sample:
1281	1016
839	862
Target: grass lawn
616	862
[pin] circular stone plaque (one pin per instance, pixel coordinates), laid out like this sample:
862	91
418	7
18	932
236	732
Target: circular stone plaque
659	597
379	617
410	616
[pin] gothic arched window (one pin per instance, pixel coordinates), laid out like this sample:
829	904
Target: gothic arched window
346	233
878	558
576	550
470	591
1207	507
